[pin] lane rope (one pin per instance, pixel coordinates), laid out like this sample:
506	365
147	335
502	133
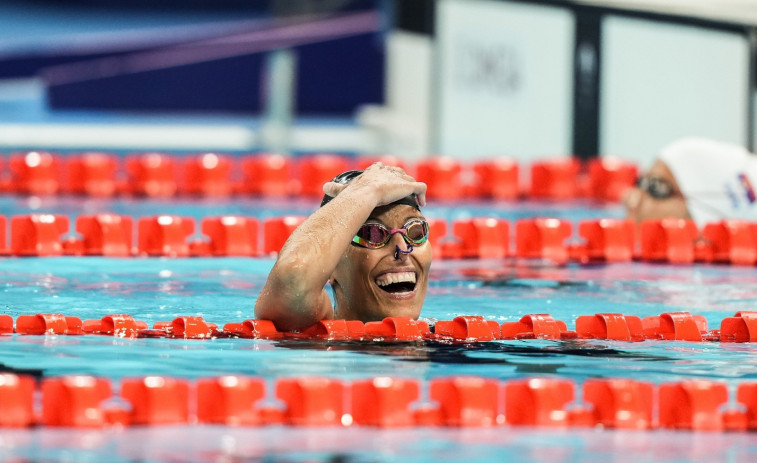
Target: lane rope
669	326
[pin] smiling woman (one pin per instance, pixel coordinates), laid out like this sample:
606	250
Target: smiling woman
369	241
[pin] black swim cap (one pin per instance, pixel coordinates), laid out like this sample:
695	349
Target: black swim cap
346	177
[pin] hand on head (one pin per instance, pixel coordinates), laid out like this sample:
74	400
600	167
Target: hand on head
389	183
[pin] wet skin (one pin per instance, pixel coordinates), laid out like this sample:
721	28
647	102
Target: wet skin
358	296
641	206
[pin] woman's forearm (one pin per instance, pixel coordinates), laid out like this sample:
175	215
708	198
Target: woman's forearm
295	286
294	295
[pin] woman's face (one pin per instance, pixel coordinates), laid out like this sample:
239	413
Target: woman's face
371	284
641	205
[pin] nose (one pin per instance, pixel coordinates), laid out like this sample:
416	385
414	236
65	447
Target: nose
399	246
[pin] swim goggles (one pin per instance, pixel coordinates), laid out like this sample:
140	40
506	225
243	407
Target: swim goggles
656	187
376	235
659	188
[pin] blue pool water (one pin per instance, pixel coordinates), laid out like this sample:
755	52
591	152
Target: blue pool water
223	290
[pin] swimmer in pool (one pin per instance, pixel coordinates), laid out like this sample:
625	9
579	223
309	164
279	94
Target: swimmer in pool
698	179
368	240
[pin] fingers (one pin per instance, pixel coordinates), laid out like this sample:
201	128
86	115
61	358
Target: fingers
391	181
420	193
397	171
332	189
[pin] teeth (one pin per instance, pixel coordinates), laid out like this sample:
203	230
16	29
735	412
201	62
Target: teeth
390	278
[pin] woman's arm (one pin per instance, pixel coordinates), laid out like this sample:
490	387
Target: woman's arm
294	296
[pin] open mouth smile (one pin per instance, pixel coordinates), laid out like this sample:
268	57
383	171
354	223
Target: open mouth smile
397	283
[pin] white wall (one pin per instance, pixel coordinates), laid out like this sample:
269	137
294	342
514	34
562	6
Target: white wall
504	79
403	124
662	81
498	80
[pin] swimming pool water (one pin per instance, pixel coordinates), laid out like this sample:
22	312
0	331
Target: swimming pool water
223	290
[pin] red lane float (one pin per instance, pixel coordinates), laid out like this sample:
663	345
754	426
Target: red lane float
535	326
207	174
38	234
332	330
437	237
231	235
156	174
398	328
694	405
46	323
482	237
538	402
468	328
6	324
467	401
317	169
192	328
678	326
732	241
668	240
230	400
613	326
497	179
746	395
92	174
312	401
106	234
35	173
610	177
610	240
74	401
165	235
277	230
157	400
617	403
384	402
16	401
267	174
620	403
672	326
542	238
117	325
4	250
742	327
555	179
151	174
254	329
442	176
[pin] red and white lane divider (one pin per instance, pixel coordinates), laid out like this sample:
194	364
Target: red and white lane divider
670	326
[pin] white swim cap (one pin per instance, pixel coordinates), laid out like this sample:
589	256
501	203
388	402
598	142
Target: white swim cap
717	179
